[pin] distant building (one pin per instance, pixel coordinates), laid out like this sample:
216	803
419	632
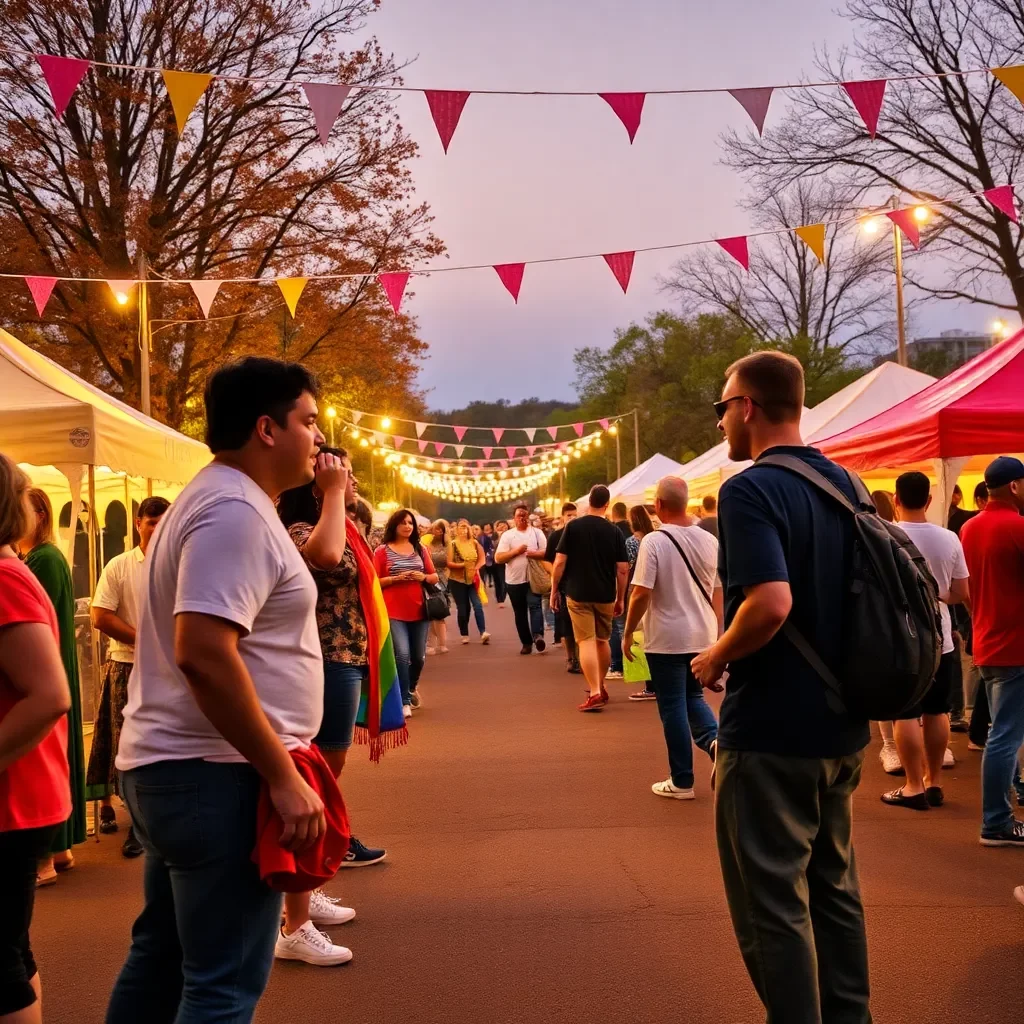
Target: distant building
951	349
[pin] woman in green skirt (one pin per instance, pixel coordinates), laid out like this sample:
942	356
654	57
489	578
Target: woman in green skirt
50	567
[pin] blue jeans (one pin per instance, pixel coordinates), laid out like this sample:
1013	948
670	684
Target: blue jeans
203	945
343	686
410	640
1005	688
616	643
549	615
683	709
465	596
527	609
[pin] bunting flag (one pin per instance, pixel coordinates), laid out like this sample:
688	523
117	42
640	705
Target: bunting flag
356	416
460	432
603	424
1013	78
755	103
511	275
398	442
497	432
121	288
394	287
503	463
185	88
904	220
530	449
325	101
420	427
628	107
525	460
621	265
511	451
814	236
867	99
531	433
737	248
552	432
422	445
446	109
62	75
1003	199
206	292
487	452
439	448
291	289
459	449
41	288
578	427
378	439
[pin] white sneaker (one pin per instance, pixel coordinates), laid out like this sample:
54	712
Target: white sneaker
311	946
406	711
890	759
324	909
948	760
673	792
485	638
614	675
465	640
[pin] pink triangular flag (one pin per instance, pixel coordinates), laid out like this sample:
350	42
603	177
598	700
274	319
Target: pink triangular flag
621	265
422	445
1003	199
552	432
487	452
121	288
41	289
511	275
325	101
394	287
460	432
356	415
497	431
525	460
420	427
755	103
446	109
511	449
867	98
531	432
904	220
205	292
62	76
438	447
737	248
459	449
530	449
398	441
603	424
562	445
578	427
628	106
503	463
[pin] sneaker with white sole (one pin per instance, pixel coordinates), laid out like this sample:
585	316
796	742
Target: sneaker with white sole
311	946
485	638
1013	836
948	760
614	675
643	695
415	700
672	791
324	909
890	759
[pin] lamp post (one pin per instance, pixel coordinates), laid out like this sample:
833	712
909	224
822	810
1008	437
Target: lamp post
145	339
331	414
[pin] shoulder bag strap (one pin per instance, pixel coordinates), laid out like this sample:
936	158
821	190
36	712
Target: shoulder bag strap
693	575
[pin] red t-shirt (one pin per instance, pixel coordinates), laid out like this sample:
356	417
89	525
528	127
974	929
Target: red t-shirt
404	600
34	791
994	548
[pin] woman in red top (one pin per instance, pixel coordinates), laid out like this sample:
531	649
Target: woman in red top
35	793
403	566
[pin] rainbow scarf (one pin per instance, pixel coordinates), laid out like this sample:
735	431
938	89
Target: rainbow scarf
380	721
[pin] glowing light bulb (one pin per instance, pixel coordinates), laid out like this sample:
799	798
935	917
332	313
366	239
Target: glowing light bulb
613	429
921	214
331	412
385	422
871	226
122	298
363	443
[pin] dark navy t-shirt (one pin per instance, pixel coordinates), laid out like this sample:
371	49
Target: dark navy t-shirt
774	526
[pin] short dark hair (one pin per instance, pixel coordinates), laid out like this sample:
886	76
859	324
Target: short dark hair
299	504
521	504
776	381
912	490
152	507
981	492
239	393
710	503
619	509
569	506
599	496
956	490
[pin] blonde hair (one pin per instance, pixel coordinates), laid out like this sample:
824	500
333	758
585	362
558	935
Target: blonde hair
15	511
466	523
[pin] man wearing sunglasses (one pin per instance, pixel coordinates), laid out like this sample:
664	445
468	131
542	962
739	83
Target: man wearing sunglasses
787	765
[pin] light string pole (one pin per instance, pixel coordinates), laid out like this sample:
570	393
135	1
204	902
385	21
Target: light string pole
145	339
897	249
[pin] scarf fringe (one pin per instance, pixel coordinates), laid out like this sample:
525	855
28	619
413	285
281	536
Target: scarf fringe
390	740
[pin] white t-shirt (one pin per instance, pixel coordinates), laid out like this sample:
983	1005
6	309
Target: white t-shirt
517	570
679	620
222	550
945	557
118	591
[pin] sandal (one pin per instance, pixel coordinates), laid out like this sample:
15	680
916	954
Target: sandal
919	802
64	865
42	881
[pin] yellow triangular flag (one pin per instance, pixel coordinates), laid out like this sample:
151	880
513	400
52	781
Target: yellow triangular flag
184	89
814	236
291	289
1012	78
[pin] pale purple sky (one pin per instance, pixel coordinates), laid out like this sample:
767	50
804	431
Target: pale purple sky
532	177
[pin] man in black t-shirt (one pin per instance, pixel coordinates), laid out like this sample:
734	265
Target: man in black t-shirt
787	765
593	563
563	624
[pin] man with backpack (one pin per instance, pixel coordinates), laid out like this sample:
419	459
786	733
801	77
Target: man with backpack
789	754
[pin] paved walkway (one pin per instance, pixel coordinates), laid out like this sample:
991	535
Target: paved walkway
533	877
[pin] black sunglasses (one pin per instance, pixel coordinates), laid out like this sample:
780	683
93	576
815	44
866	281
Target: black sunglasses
721	406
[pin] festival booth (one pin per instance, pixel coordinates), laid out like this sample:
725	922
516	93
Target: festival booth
881	389
632	487
952	428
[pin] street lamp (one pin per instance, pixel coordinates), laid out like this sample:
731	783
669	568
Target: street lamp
331	413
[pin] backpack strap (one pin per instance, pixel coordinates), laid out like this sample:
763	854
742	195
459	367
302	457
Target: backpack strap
833	688
700	586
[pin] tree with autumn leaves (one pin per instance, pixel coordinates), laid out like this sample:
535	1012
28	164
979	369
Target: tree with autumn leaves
247	190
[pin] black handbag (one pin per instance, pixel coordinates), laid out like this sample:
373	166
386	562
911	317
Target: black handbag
435	602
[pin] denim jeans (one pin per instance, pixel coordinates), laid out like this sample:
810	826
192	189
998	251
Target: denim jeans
343	688
616	643
1005	688
466	597
410	642
203	945
527	609
498	577
684	712
549	615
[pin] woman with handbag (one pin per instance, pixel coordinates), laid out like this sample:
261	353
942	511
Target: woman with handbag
404	565
437	542
465	558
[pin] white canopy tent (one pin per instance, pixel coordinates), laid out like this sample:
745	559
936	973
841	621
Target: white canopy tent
632	487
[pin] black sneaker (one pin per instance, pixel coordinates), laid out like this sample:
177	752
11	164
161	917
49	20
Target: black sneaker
131	847
526	649
359	856
108	823
958	724
1013	836
643	695
539	642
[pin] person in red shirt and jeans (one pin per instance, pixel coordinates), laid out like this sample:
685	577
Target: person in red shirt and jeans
993	543
35	793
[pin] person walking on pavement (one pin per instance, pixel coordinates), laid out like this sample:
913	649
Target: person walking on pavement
619	517
437	543
592	559
641	524
675	591
563	623
516	548
787	764
497	568
115	613
994	548
709	515
465	562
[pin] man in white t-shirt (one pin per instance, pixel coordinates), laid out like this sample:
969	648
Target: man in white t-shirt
517	547
228	678
114	612
677	595
923	732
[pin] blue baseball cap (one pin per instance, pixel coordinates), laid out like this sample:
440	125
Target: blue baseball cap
1003	471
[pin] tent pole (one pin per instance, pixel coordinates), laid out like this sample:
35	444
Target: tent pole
144	336
636	435
618	455
94	646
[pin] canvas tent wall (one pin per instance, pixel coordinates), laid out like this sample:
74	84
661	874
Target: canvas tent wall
633	486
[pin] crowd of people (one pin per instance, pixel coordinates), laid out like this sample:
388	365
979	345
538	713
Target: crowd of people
261	626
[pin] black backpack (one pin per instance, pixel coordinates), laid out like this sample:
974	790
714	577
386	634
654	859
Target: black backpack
892	640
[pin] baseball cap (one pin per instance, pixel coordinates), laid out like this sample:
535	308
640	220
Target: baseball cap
1003	471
